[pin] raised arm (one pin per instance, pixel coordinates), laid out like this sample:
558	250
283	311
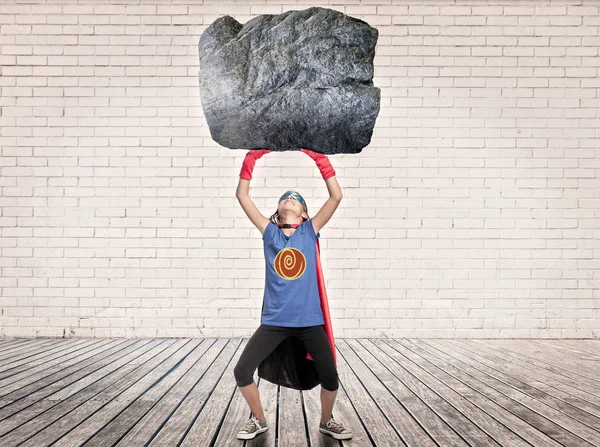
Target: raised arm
335	192
243	190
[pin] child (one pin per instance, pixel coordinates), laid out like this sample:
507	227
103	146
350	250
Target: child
291	305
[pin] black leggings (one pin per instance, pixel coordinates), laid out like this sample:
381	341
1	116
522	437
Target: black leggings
267	338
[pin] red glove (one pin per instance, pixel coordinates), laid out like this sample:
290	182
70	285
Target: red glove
323	163
249	161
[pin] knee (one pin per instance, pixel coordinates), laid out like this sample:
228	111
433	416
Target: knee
243	377
330	381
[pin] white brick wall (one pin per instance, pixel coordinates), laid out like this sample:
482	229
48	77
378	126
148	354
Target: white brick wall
474	212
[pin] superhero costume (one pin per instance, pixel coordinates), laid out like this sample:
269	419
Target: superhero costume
290	364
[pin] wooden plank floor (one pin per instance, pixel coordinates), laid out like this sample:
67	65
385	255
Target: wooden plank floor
393	392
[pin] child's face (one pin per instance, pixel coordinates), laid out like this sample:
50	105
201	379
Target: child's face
294	194
291	201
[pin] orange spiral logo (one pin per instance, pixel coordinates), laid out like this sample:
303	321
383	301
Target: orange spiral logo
290	263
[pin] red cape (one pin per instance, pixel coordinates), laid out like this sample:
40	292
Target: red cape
290	364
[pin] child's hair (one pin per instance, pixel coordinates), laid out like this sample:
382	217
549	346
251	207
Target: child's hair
275	217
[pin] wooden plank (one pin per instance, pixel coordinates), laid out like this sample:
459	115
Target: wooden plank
418	422
570	399
573	348
165	395
485	430
39	361
162	392
588	347
503	390
589	342
87	416
501	401
239	411
548	383
576	381
268	396
53	411
23	375
22	385
9	345
37	412
195	387
548	360
554	352
312	409
393	413
176	421
32	350
291	420
209	422
379	431
138	410
432	394
346	410
9	348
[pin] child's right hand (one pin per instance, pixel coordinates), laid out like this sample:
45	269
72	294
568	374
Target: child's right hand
257	153
249	162
322	162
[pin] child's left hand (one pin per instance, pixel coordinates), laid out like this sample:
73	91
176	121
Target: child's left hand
312	154
322	161
249	162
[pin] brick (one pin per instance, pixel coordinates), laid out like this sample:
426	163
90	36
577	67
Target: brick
470	214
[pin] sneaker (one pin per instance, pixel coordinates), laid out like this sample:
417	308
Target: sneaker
252	427
335	429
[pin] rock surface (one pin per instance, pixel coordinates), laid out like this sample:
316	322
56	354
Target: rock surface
302	79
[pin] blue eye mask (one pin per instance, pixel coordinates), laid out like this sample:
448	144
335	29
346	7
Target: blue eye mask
295	195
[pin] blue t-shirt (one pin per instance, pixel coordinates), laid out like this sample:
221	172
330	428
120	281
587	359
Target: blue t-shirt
291	295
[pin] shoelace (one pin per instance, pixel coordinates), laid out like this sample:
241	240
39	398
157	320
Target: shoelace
332	423
251	424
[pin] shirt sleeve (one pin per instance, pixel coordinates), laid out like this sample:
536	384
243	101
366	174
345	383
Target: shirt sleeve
311	230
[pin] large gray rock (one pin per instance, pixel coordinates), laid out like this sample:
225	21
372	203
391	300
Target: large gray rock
302	79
